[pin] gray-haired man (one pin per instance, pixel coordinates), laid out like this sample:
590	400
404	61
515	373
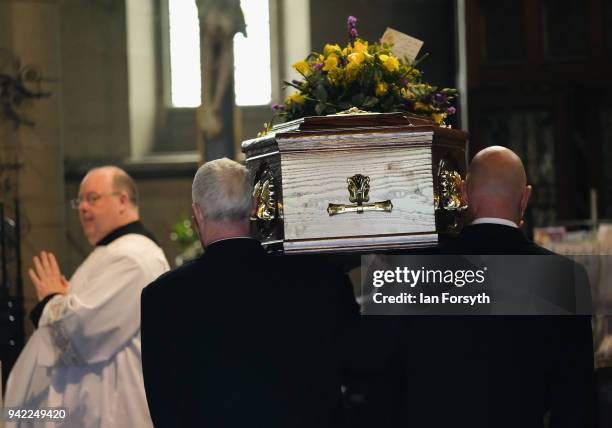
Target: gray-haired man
233	338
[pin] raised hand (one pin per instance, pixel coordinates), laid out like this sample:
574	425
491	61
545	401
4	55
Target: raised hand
46	276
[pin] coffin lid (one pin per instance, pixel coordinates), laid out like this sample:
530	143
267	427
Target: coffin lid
342	123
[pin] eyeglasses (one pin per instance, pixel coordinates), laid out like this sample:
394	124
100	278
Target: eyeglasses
90	198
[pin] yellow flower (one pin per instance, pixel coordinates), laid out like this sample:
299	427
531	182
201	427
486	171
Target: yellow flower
359	46
356	58
302	67
354	61
383	58
391	63
330	63
420	106
423	86
406	93
381	89
331	49
438	117
296	98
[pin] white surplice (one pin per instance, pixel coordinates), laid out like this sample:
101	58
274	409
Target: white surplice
85	353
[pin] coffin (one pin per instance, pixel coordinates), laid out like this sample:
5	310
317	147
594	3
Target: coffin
358	182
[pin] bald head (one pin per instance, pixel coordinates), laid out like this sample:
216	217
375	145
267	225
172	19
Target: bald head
120	181
496	185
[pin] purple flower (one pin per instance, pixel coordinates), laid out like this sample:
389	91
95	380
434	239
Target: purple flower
296	82
318	66
277	106
426	99
441	98
404	82
451	110
351	26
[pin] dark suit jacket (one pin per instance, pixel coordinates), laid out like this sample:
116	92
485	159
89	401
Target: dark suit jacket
480	371
238	338
552	356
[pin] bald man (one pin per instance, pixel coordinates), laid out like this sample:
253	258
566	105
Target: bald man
482	371
525	368
496	186
84	355
497	193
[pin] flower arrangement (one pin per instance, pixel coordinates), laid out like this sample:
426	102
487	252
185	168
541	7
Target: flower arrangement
362	75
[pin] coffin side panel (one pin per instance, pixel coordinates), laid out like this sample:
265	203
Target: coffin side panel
312	180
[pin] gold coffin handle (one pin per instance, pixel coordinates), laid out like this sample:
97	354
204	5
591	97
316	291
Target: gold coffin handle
265	198
359	188
447	196
334	209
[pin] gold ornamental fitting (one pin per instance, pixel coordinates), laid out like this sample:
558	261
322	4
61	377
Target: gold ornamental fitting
359	188
265	197
448	194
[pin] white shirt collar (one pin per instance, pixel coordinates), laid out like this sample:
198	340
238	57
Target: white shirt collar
233	237
495	220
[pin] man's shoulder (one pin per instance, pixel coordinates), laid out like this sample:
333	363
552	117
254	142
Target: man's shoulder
127	253
305	266
535	249
492	238
171	280
133	243
531	248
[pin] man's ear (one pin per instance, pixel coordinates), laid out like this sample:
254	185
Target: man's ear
198	214
198	218
525	199
124	200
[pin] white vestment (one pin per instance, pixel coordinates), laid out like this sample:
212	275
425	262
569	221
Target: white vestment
85	353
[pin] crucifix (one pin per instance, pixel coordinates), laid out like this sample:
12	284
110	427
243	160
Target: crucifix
220	20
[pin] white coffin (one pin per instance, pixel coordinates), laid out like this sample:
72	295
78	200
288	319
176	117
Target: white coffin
301	173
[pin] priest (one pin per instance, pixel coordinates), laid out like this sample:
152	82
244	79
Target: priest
84	355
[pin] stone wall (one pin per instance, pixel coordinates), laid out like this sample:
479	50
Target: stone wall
95	104
32	34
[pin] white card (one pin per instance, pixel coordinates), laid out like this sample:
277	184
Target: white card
404	46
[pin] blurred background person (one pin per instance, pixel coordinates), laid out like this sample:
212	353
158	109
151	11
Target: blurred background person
85	353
